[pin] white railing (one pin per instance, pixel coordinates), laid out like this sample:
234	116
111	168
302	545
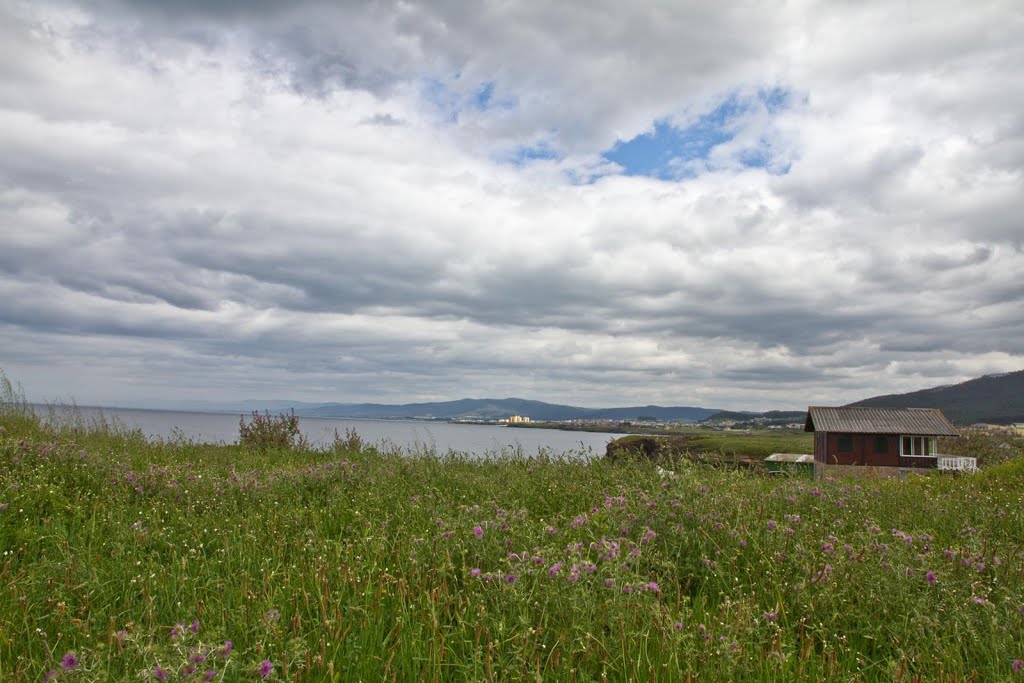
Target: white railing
957	463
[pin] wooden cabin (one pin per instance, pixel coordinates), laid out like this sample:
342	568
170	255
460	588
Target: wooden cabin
901	438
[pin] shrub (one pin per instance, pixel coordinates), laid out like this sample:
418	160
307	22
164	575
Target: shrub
12	398
14	407
271	432
351	443
989	449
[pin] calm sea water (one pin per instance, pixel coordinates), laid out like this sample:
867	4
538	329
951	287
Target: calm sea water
410	435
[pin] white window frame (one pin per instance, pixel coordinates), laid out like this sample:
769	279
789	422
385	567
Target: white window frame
927	444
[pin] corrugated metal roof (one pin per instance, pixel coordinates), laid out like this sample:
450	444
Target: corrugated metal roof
923	421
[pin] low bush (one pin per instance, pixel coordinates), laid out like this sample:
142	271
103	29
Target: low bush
270	432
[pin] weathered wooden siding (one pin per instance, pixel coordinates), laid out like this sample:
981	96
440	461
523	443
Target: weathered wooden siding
826	450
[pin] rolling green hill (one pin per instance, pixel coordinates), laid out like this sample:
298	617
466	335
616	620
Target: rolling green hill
997	399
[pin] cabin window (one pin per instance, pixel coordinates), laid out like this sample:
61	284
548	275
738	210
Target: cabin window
845	444
881	444
917	445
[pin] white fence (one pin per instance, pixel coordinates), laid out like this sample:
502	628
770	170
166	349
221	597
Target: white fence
958	464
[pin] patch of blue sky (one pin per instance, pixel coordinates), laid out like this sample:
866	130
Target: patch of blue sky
764	156
658	154
485	99
441	98
522	155
775	99
670	152
452	101
527	153
757	157
482	97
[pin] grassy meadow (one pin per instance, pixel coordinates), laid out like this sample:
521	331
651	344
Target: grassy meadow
125	559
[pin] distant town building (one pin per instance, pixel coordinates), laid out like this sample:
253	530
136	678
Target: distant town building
516	419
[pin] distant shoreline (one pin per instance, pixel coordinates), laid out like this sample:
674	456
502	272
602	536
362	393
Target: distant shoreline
620	428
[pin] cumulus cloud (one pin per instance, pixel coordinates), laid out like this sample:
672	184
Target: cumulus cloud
382	201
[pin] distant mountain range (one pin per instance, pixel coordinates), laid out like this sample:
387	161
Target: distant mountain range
496	408
993	398
466	409
997	399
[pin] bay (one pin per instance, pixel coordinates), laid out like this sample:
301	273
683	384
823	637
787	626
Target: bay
410	436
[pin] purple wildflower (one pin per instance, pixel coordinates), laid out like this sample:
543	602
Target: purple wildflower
69	661
160	673
478	532
678	626
177	631
771	616
930	577
510	579
209	675
1017	666
474	572
228	647
555	568
266	668
653	586
195	626
273	615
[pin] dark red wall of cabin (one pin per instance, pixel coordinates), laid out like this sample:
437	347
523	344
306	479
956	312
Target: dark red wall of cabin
826	449
891	457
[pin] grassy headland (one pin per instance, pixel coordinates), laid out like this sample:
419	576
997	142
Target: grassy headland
746	446
128	559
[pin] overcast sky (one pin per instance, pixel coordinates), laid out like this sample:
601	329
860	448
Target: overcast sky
763	205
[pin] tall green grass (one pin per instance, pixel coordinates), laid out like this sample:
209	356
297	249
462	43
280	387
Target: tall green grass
143	558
